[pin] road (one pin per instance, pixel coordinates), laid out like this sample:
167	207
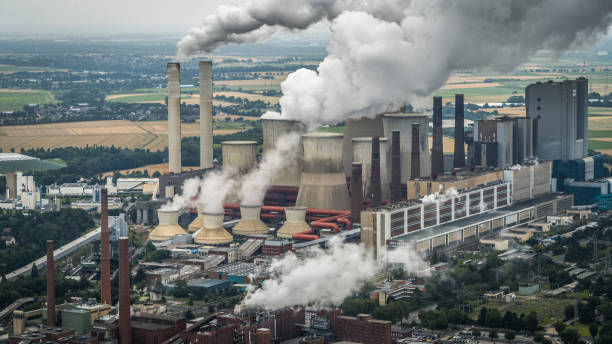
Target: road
57	254
13	306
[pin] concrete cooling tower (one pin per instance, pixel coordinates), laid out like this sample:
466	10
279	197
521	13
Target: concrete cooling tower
362	152
197	223
250	221
273	132
296	222
241	155
168	226
213	232
323	183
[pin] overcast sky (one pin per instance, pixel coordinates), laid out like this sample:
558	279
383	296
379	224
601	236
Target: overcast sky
104	16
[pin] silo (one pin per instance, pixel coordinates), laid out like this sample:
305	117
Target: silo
273	132
322	182
213	232
403	122
250	221
241	155
168	226
296	222
362	152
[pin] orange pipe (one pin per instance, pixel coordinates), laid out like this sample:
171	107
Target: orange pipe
314	211
305	235
327	225
347	223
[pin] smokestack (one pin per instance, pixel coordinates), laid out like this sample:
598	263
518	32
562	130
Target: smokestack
105	279
174	117
415	157
125	323
206	132
50	285
396	167
437	154
356	192
459	156
375	176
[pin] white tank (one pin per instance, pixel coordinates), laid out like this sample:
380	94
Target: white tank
213	232
296	222
250	221
362	152
168	226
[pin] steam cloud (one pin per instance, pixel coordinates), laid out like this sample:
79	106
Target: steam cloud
382	54
326	277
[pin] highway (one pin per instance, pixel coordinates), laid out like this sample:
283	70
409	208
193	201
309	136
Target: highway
57	254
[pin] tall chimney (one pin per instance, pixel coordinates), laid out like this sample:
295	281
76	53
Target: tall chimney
50	285
375	173
356	192
105	279
174	117
206	132
125	325
437	154
415	157
459	156
396	167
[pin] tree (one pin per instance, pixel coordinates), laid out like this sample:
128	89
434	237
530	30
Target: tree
494	319
482	317
559	327
180	289
569	336
593	330
189	315
492	334
34	273
476	332
509	335
569	312
531	322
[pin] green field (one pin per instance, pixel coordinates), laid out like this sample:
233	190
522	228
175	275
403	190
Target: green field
549	310
593	134
14	69
15	101
270	87
153	97
332	129
599	145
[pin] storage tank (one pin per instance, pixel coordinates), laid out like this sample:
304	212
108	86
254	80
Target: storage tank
362	152
322	182
168	226
296	222
273	131
241	155
250	222
213	232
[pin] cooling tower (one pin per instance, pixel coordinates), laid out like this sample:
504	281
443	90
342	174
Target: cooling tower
295	222
168	226
403	122
323	183
362	152
197	223
206	132
213	232
273	132
174	117
241	155
250	222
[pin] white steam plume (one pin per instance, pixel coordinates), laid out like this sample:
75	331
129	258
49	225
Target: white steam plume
325	277
258	180
382	54
208	192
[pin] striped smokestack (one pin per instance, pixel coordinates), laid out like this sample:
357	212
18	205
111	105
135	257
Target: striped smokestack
174	117
459	156
125	323
396	167
50	285
415	156
375	173
437	155
206	132
356	192
105	279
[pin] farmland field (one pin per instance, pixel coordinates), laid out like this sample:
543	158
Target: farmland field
161	168
15	100
125	134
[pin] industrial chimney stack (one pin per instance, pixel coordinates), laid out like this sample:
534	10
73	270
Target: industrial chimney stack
437	155
415	156
105	279
174	117
356	192
375	174
396	167
50	285
206	132
125	326
459	155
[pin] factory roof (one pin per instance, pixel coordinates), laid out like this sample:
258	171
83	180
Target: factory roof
10	162
207	283
239	142
237	269
405	114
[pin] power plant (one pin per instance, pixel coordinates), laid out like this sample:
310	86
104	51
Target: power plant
250	221
212	232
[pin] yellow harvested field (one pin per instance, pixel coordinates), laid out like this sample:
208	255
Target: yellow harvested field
470	85
249	96
125	134
448	144
253	82
161	168
461	78
600	123
603	139
8	90
510	111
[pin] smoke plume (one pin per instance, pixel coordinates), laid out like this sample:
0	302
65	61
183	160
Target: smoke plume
258	180
325	277
382	54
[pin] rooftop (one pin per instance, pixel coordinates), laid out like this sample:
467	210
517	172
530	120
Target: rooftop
11	162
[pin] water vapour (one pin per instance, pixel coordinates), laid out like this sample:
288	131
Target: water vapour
382	54
326	277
